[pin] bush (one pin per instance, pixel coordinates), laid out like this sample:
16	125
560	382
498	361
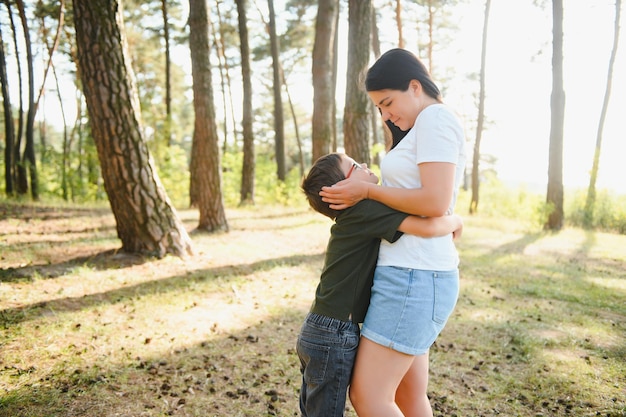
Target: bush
173	171
609	213
500	201
268	190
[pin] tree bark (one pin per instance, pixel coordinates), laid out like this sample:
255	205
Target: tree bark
554	196
168	74
248	168
146	221
20	177
375	120
221	52
279	123
9	127
29	160
322	70
481	118
591	192
221	64
399	23
431	42
334	81
205	156
356	111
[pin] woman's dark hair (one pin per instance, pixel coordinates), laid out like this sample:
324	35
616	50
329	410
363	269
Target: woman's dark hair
395	69
326	171
396	133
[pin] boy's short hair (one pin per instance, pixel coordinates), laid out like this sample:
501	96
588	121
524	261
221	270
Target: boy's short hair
326	171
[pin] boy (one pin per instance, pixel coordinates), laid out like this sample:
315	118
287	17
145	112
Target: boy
329	336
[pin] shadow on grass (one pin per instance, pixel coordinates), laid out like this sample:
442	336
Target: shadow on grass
29	211
534	333
103	233
250	372
499	369
13	316
516	247
110	259
496	356
255	372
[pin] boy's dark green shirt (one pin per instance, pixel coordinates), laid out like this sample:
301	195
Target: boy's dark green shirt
346	280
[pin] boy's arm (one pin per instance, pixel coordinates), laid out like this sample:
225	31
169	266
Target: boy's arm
432	226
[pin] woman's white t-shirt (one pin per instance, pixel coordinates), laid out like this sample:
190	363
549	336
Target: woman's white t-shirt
437	136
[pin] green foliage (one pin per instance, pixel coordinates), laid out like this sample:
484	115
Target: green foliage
499	201
83	184
81	181
231	177
268	189
609	212
173	169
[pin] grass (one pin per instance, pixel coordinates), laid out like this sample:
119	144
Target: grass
539	328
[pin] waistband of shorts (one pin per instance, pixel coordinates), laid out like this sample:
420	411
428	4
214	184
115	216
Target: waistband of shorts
409	269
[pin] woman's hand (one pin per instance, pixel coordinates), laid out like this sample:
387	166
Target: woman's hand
345	193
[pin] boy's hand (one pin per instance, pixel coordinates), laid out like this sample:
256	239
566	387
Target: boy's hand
456	234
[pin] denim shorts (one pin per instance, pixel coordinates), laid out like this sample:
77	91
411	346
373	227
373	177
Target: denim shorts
410	307
327	350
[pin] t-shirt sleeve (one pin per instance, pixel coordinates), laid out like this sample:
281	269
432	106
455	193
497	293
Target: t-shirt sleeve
439	137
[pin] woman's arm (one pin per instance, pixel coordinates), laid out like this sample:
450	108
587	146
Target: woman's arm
433	226
432	199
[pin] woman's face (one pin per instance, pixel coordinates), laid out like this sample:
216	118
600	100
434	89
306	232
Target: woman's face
399	107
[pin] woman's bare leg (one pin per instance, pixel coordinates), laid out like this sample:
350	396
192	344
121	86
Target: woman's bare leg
411	395
377	373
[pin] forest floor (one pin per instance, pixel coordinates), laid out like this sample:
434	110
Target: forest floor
86	330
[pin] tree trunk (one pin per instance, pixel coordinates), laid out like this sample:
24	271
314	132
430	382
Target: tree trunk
9	128
67	142
225	82
481	118
322	70
205	156
334	82
356	111
221	67
374	112
295	126
20	176
431	42
591	192
248	168
29	160
399	23
146	221
168	75
50	66
222	52
279	124
554	196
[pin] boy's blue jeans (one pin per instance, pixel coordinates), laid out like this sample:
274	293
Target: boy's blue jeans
327	350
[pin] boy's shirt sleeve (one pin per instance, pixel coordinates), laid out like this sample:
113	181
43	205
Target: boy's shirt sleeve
379	220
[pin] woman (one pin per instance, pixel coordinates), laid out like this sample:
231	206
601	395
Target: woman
416	282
